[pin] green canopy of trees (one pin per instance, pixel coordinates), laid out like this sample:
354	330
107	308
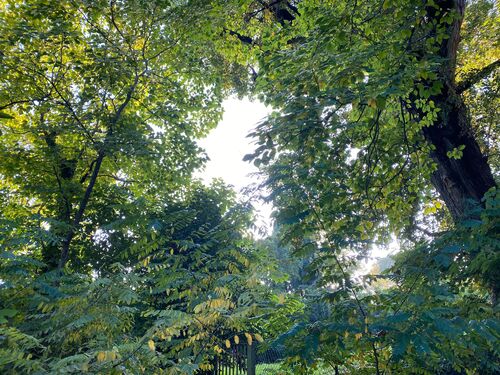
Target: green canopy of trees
115	259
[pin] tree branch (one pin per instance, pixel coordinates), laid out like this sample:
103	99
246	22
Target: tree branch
116	178
22	101
83	205
428	232
90	187
86	175
281	15
476	75
243	38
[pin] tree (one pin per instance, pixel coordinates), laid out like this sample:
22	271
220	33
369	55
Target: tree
113	258
375	106
94	94
188	286
376	136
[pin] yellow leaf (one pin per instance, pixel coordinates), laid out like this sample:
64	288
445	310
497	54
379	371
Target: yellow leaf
138	44
249	338
206	366
111	356
228	344
281	299
358	336
259	337
101	356
236	340
372	103
151	345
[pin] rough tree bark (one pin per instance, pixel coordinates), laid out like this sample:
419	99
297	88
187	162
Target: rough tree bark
461	182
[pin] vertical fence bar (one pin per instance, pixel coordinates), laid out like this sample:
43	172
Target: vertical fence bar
251	360
246	363
237	360
240	360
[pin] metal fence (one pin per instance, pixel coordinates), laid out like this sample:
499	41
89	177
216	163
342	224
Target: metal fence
238	360
243	359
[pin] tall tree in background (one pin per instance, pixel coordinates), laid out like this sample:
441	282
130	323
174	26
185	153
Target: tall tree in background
101	104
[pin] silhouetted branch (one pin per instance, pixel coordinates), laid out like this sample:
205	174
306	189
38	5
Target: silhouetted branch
476	76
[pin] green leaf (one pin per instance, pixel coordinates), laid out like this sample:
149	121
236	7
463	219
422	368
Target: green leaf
400	346
295	218
7	313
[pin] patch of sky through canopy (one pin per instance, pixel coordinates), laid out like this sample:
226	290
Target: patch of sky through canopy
226	146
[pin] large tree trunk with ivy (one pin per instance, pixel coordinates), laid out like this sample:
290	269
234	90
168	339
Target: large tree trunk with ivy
463	174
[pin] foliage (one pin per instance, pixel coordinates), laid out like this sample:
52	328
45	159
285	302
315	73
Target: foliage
436	317
371	106
190	287
106	100
113	259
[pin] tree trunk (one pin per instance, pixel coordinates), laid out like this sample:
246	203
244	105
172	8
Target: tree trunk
461	182
79	215
64	171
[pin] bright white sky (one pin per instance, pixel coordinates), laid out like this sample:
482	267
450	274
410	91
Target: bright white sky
226	146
